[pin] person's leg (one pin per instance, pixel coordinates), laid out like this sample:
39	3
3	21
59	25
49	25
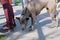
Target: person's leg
8	10
10	1
9	14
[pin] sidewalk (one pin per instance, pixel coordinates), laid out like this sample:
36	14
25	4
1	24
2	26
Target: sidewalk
41	32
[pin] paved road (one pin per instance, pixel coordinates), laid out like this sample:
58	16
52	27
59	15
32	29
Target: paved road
41	32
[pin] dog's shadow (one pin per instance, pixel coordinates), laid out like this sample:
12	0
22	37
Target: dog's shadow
38	26
43	23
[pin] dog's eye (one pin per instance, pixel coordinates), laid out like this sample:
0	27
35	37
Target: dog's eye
27	18
47	8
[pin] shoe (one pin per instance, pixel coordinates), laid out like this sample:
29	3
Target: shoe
6	29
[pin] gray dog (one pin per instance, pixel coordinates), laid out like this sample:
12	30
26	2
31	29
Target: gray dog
34	7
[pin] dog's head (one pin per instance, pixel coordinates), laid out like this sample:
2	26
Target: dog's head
24	17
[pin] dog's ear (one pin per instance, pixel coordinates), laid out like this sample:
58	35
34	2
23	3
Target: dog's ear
18	18
24	11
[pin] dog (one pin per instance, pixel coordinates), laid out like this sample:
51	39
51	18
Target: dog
34	8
